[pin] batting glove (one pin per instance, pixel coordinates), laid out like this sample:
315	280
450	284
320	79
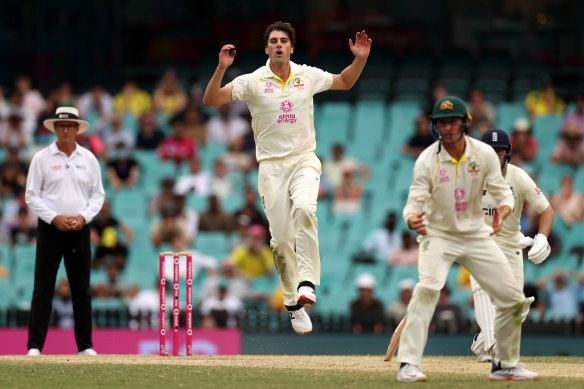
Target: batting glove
526	241
540	250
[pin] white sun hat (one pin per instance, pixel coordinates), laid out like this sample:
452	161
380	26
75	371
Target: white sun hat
365	281
69	114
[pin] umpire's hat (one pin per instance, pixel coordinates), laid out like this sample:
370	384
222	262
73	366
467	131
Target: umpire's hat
66	114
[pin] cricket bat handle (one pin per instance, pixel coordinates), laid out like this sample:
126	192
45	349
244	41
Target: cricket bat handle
395	339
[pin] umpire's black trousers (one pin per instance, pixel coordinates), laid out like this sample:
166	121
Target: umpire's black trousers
74	247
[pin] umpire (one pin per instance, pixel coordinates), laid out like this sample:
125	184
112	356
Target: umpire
64	189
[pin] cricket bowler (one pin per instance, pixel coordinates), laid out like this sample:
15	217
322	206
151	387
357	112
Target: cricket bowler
279	96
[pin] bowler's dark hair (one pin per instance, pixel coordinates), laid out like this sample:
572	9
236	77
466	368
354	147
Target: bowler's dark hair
281	26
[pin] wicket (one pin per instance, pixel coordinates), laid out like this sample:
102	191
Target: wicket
175	257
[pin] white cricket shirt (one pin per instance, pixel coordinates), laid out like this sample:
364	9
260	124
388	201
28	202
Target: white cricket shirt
450	191
282	111
62	185
523	188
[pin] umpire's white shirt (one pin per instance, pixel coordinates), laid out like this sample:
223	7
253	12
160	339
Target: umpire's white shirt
62	185
449	191
523	188
282	110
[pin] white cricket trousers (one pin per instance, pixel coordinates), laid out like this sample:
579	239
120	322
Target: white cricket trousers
288	188
483	306
487	263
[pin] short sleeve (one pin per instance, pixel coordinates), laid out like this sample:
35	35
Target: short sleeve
242	87
321	80
533	194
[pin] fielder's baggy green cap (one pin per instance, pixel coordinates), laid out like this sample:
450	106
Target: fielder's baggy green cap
449	107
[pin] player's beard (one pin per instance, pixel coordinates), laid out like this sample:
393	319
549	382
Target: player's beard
453	137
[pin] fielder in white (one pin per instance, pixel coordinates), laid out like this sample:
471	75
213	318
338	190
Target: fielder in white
445	207
279	97
510	239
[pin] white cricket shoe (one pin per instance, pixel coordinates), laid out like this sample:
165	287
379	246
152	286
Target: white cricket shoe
33	352
88	351
306	295
517	373
301	321
411	373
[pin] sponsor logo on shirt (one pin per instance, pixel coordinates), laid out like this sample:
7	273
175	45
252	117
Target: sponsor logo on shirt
489	211
286	106
473	169
298	84
460	205
80	166
269	87
443	176
56	168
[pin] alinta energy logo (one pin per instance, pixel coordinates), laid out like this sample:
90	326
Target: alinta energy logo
286	106
269	87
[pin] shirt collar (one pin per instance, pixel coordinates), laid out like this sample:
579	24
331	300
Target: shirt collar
295	69
444	156
55	150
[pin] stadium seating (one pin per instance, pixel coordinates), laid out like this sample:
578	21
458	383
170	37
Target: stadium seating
335	120
214	244
23	276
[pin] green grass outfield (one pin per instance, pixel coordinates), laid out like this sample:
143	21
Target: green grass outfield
255	371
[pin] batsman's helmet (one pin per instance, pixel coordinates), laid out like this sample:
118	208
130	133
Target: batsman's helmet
498	139
450	107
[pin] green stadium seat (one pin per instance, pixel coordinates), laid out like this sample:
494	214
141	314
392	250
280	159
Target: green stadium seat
579	180
98	276
209	153
507	112
143	276
265	285
546	127
333	126
129	122
232	203
550	175
6	258
153	168
367	138
197	203
398	273
402	117
6	291
143	254
213	243
130	206
23	275
111	303
531	272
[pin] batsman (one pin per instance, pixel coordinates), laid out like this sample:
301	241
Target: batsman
444	207
510	239
279	97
